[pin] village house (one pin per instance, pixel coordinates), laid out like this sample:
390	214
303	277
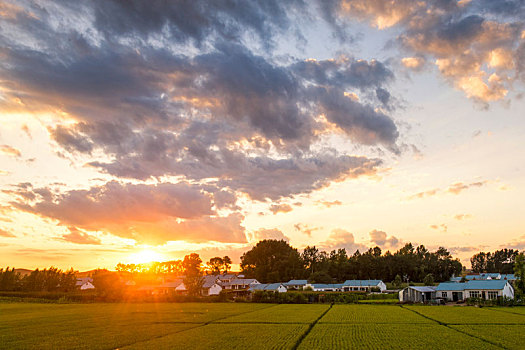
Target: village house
363	285
269	287
295	284
85	283
239	283
486	276
211	285
416	294
484	289
228	277
322	287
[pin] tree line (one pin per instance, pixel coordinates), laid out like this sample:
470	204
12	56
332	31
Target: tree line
277	261
501	261
46	280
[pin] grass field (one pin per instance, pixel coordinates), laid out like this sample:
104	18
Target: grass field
257	326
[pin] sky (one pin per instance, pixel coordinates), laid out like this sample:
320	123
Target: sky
132	131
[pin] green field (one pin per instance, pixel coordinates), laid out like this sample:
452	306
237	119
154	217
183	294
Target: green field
257	326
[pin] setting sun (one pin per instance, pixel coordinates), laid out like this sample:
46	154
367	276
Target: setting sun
146	256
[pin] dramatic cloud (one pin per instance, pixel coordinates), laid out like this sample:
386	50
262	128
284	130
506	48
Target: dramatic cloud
158	93
79	237
280	208
147	213
10	151
380	238
476	45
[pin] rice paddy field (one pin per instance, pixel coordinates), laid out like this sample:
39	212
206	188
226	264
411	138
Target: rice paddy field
258	326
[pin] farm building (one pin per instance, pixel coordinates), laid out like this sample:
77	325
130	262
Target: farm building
415	294
239	283
484	289
486	276
211	285
321	287
271	287
85	283
295	284
363	285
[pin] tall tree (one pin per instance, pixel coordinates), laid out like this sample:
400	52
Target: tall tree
193	273
227	263
215	265
272	261
519	271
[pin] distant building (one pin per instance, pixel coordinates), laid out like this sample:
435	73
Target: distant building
363	285
295	284
226	277
484	289
239	283
271	287
211	285
415	294
85	283
322	287
484	276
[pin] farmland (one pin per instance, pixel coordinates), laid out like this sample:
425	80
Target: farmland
257	326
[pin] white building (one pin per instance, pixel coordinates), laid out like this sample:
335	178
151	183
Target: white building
85	283
322	287
363	285
414	294
483	289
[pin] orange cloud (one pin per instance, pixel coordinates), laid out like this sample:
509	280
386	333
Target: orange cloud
329	204
152	214
10	151
458	187
280	208
414	63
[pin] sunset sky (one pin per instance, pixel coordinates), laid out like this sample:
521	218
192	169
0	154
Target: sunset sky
133	130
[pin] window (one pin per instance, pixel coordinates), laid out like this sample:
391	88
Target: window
444	294
475	294
491	294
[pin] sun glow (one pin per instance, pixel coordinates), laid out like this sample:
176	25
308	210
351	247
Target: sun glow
146	256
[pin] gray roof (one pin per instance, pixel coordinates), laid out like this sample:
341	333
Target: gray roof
83	280
209	280
424	289
265	286
240	282
327	285
361	283
296	283
472	285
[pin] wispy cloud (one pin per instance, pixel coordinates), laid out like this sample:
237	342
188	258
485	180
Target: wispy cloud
10	151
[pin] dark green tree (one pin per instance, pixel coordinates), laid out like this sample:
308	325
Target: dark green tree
272	261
